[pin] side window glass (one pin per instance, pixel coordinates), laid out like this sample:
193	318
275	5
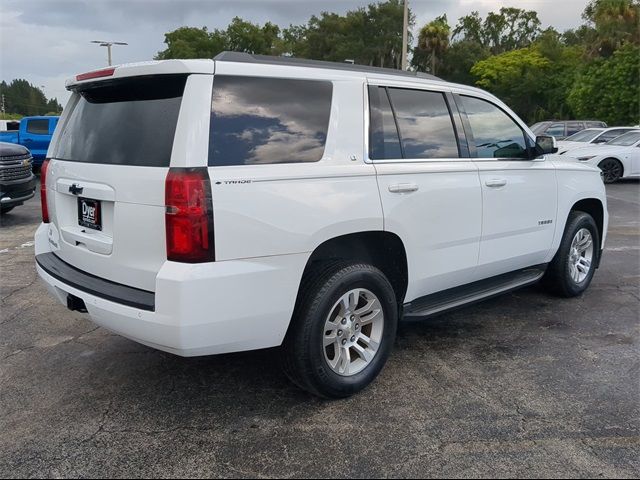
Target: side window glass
259	120
574	127
555	130
38	126
426	127
384	143
495	134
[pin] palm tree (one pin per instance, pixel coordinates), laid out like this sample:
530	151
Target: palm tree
433	40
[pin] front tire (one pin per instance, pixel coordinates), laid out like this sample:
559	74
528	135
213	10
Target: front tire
4	210
612	170
572	269
342	331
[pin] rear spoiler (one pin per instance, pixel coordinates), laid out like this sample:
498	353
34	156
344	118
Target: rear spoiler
155	67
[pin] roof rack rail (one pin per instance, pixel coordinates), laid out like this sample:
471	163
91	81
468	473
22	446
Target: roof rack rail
242	57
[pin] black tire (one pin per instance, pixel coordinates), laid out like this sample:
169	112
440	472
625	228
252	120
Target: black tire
303	351
612	170
4	210
558	278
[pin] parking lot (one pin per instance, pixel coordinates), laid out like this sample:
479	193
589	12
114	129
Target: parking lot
523	385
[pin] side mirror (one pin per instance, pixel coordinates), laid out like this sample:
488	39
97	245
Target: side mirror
546	144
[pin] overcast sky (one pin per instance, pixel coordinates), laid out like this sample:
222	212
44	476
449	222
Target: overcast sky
47	41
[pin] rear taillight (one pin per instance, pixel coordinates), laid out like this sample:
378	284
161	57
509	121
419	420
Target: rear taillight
189	215
43	191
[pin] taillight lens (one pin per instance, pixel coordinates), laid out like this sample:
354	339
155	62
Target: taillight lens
43	191
189	216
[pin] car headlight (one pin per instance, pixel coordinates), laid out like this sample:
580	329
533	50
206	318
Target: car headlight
584	159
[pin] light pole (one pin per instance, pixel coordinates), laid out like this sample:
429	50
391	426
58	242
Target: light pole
405	26
108	45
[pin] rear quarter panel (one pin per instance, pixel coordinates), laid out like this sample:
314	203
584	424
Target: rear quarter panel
277	209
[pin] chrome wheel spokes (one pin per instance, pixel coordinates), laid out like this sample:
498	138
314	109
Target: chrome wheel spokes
353	332
581	255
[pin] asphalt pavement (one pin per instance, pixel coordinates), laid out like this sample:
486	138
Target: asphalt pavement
524	385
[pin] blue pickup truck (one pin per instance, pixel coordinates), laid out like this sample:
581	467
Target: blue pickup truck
35	133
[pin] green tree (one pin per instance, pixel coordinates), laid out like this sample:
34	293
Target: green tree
508	29
20	97
433	42
514	76
191	42
243	36
615	23
607	89
458	60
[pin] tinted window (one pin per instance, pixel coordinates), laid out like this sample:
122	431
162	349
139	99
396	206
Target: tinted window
584	135
539	127
611	134
268	120
596	124
495	134
124	122
426	128
555	130
38	126
625	140
383	134
574	127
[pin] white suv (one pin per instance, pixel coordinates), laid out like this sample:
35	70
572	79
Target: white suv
211	206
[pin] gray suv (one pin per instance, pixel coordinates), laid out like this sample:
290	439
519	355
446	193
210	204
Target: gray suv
561	129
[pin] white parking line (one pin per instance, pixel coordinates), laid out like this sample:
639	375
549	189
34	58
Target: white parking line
19	247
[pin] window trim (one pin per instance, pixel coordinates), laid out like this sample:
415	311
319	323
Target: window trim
530	143
461	140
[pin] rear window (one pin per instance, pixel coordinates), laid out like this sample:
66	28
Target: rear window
257	120
38	126
128	121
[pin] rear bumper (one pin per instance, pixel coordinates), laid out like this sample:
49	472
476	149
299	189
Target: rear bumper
199	309
16	192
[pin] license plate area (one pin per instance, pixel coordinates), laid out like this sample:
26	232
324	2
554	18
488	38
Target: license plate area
89	213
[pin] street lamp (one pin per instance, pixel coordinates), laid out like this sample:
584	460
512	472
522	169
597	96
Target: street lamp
108	45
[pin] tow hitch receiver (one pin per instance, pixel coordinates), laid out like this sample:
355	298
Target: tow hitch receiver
76	304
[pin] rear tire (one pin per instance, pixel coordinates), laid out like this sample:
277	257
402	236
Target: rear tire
612	170
572	269
342	331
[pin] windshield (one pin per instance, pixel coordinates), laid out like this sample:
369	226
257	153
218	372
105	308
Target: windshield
626	139
585	135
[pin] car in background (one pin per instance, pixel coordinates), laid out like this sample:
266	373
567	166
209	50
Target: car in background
17	181
34	133
618	158
561	129
9	125
591	136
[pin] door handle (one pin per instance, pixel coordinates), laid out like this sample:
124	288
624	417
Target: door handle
403	187
496	182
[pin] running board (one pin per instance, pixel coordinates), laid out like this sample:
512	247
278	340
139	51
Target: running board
472	292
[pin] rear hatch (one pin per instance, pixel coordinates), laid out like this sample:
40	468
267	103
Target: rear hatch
106	178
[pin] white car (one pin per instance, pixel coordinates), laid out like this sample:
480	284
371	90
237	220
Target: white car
590	137
211	206
9	125
618	158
